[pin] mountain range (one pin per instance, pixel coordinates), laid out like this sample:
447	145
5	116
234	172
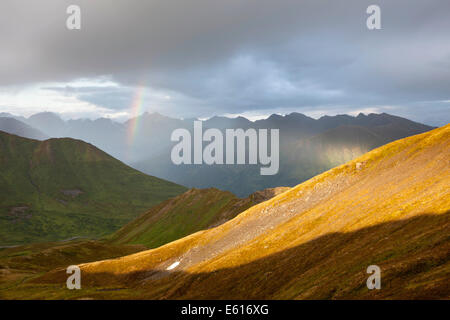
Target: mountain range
307	146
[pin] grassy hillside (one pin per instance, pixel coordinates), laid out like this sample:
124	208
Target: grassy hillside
194	210
19	264
390	207
39	257
62	188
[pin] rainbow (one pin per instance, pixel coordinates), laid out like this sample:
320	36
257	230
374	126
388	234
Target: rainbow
136	110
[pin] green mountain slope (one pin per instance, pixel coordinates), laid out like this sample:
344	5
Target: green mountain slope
192	211
62	188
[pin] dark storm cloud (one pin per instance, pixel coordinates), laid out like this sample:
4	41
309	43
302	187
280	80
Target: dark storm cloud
237	55
112	97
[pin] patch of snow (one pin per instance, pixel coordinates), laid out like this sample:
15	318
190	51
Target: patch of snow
173	265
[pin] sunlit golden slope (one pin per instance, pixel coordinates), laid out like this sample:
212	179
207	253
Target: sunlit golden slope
389	207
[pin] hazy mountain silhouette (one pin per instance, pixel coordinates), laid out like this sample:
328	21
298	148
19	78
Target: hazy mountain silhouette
50	123
13	126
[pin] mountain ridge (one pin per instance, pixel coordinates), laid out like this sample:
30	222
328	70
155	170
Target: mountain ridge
304	152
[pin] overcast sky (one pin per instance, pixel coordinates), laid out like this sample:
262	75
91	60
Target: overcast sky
198	58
